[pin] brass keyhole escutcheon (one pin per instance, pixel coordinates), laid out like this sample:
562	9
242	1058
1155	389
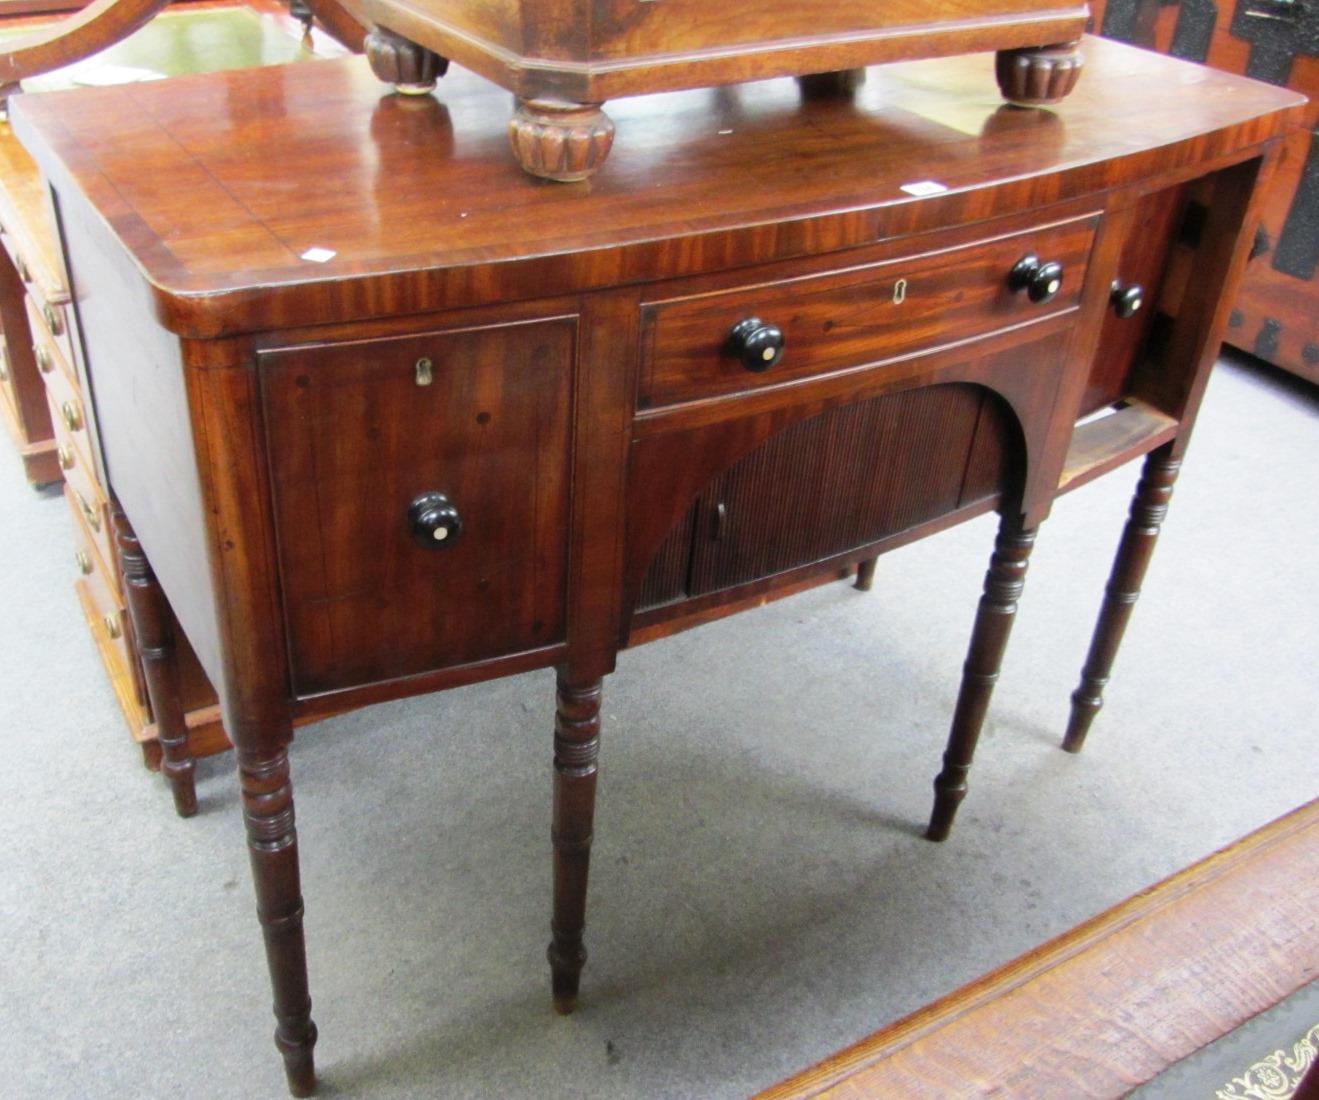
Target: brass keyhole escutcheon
425	373
899	292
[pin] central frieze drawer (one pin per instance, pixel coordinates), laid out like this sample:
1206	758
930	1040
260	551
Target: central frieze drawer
861	315
375	587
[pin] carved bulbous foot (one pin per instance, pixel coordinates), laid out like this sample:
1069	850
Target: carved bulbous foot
412	69
1038	75
560	141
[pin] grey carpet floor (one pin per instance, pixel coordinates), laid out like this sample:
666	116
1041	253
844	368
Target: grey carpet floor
760	893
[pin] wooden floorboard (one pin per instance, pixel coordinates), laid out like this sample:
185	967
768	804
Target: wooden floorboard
1115	1001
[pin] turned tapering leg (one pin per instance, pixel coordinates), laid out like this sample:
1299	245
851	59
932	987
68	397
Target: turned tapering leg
272	842
865	574
149	612
1149	506
989	638
576	748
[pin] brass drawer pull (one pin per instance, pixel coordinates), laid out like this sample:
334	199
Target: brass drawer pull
65	456
72	416
54	321
45	363
4	363
90	514
114	627
84	562
20	265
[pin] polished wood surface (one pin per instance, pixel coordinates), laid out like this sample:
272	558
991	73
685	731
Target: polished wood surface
1117	1000
564	58
442	422
224	246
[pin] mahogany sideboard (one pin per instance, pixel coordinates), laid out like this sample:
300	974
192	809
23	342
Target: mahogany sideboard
439	421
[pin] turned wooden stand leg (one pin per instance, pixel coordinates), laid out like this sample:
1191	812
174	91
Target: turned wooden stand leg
576	747
865	574
989	638
412	69
1038	75
560	141
273	846
150	615
1149	506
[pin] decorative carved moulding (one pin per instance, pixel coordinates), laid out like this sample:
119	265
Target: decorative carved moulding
563	59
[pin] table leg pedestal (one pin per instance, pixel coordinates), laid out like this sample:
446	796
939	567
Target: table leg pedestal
149	612
1149	506
272	842
989	638
576	748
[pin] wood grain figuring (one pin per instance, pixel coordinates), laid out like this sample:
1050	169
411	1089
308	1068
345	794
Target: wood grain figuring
868	314
222	244
1115	1001
355	438
586	53
766	514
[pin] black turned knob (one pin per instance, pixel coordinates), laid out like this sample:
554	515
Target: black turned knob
757	345
433	521
1040	280
1126	299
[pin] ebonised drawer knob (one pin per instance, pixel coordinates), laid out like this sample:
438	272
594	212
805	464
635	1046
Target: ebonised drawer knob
1040	280
757	345
1126	298
433	521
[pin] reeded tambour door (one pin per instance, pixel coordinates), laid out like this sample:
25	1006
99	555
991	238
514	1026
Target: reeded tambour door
421	498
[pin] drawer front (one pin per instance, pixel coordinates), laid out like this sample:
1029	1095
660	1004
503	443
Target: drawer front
358	434
50	321
102	585
859	316
73	452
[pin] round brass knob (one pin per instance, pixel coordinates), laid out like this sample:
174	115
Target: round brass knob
45	363
84	562
65	456
72	416
20	265
114	627
53	320
90	514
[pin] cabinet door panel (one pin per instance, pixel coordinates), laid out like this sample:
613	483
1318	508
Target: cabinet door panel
357	432
844	479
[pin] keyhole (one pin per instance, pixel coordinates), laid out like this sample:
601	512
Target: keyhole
424	374
899	292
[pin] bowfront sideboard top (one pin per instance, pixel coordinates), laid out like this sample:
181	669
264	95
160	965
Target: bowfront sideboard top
382	414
